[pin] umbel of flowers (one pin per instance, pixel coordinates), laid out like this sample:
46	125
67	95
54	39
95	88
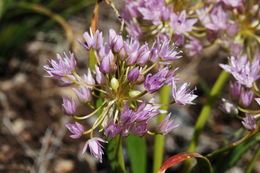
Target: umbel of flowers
244	91
194	25
125	71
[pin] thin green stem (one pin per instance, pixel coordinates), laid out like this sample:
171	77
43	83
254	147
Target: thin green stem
150	68
159	139
252	162
201	121
232	145
91	114
248	110
100	118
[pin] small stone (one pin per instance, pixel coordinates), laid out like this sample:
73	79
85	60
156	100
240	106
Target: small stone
63	166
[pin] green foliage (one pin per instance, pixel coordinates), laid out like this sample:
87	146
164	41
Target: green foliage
19	23
136	149
203	165
115	154
225	160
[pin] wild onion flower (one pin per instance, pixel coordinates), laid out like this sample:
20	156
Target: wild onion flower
244	71
249	122
215	20
76	129
232	3
182	95
166	125
93	41
160	18
181	24
69	105
244	89
122	69
194	46
257	100
222	22
63	67
95	148
228	107
246	98
235	90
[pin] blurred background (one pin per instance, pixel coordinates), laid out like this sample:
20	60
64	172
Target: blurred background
32	133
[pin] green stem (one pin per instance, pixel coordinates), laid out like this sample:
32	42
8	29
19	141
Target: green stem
120	156
252	162
201	121
91	60
159	139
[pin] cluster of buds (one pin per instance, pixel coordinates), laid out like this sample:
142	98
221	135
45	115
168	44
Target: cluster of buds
125	71
195	25
244	91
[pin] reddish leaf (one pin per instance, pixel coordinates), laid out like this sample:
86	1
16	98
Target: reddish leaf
177	159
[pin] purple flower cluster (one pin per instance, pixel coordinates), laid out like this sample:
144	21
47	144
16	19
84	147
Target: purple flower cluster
161	16
244	89
137	122
244	71
122	68
215	20
193	25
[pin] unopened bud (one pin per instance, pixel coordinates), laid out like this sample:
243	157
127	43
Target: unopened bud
114	84
134	93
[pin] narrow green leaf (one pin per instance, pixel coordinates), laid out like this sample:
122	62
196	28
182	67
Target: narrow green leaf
136	148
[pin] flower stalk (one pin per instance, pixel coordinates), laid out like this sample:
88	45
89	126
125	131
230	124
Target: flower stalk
203	116
159	139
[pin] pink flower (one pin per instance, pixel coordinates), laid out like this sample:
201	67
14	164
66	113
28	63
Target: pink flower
154	82
84	93
228	107
194	47
112	129
108	61
62	67
182	95
95	148
215	20
133	74
76	129
180	24
244	71
69	105
166	125
249	122
92	41
100	78
246	97
257	100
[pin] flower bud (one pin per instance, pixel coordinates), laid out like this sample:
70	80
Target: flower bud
246	98
134	93
69	105
133	74
249	122
76	129
108	63
114	84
